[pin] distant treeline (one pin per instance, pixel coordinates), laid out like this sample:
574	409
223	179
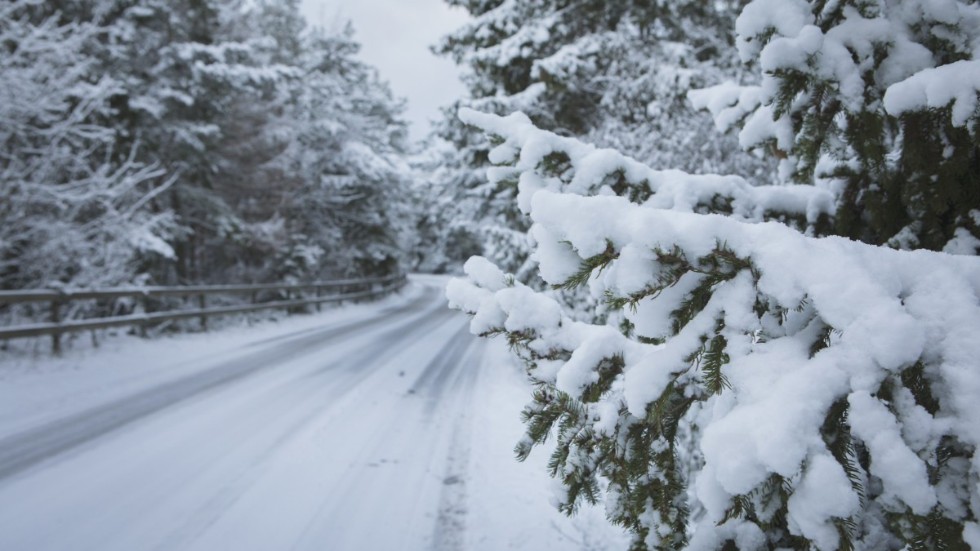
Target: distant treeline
189	141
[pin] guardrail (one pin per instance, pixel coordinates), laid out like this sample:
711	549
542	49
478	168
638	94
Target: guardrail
345	289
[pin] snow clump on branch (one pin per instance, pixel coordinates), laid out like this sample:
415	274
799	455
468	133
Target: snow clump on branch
739	380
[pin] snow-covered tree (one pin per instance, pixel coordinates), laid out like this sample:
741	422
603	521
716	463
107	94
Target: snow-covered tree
462	213
450	225
201	96
612	73
75	207
738	381
558	61
275	153
875	100
752	385
344	149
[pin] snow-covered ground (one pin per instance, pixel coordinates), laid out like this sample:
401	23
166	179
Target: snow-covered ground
369	427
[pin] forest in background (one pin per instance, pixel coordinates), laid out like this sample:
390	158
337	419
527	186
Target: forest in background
161	142
151	142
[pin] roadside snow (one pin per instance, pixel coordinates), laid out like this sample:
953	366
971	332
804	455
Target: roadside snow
376	426
36	386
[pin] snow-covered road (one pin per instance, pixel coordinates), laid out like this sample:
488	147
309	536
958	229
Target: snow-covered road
372	427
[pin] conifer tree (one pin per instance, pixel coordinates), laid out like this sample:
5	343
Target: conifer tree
194	141
902	160
346	145
197	98
738	382
612	73
75	202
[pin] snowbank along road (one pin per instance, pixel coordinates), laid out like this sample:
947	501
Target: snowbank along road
372	427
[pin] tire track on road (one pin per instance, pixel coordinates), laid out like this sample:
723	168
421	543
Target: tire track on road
413	446
443	370
355	368
458	373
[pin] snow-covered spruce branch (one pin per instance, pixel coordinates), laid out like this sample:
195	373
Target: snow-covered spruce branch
753	385
877	101
537	159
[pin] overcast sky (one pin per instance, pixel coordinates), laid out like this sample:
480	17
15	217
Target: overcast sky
395	36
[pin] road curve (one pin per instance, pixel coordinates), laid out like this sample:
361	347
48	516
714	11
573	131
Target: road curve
345	437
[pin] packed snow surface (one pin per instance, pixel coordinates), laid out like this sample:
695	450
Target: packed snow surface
370	427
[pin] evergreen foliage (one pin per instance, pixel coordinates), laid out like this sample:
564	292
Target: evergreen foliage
743	384
75	205
833	106
746	386
612	73
164	142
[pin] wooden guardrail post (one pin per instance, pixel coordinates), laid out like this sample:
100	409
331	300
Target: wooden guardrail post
56	319
144	301
203	303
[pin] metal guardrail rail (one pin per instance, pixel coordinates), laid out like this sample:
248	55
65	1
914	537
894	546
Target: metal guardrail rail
350	289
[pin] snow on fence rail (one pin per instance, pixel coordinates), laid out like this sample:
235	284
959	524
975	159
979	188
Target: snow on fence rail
349	289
